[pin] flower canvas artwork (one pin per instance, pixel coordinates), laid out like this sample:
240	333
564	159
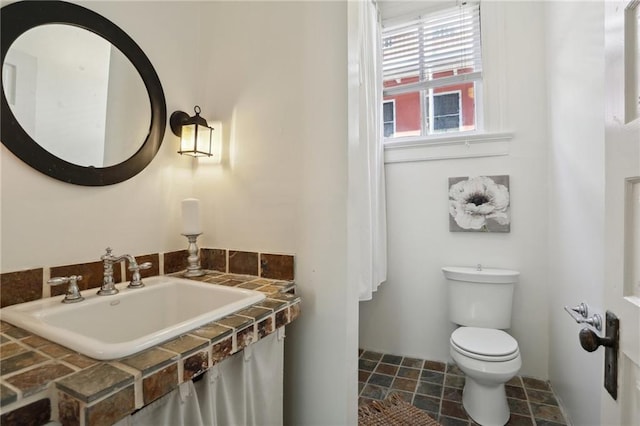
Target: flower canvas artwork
479	204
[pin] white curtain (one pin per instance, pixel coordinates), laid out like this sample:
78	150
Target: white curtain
245	389
367	228
179	408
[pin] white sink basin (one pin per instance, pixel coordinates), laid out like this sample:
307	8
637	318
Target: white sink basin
110	327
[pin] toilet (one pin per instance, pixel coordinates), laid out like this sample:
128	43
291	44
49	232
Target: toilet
480	301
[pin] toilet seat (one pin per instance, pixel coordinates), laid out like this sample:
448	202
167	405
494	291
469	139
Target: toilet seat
484	344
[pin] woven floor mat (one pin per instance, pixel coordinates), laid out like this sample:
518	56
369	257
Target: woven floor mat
393	411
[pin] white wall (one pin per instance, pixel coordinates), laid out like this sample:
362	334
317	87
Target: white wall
409	313
575	72
282	101
275	74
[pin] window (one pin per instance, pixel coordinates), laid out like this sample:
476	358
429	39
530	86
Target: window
432	73
388	118
443	112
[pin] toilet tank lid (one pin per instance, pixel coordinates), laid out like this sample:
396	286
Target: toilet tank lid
484	341
484	275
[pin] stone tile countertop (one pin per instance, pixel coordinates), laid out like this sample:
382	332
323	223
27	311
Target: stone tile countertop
41	380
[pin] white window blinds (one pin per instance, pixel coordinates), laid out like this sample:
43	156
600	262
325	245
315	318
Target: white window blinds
433	46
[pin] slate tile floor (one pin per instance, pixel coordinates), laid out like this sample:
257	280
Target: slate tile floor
436	388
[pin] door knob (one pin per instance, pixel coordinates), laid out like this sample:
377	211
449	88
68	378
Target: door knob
590	341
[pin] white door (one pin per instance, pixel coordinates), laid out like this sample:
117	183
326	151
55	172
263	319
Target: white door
622	217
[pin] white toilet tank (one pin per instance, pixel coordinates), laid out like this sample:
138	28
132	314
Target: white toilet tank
480	297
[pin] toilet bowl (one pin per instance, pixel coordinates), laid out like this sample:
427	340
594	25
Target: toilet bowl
480	302
488	358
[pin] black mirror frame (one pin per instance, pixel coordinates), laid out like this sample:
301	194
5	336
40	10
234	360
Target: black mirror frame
15	19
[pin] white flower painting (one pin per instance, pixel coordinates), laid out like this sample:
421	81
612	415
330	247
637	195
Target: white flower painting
479	204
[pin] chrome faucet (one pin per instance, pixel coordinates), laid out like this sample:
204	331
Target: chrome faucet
108	285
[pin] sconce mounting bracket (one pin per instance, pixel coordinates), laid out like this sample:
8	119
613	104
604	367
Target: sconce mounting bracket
177	119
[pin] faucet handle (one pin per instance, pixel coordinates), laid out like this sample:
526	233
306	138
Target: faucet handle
136	267
136	280
73	292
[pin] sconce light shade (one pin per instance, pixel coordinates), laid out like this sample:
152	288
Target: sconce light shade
194	132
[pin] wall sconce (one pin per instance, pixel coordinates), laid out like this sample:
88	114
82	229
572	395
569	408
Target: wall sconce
194	133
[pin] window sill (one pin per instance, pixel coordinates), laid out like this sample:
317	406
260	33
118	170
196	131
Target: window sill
447	147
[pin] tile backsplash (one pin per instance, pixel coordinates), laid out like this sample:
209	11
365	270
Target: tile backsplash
276	266
243	262
175	261
214	259
21	286
24	286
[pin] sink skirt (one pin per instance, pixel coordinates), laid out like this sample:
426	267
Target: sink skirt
244	389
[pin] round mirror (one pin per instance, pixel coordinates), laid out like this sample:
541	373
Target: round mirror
80	101
76	95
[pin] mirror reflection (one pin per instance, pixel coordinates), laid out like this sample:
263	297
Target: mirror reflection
77	95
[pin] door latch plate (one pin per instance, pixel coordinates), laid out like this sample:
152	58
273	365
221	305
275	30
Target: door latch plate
611	354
